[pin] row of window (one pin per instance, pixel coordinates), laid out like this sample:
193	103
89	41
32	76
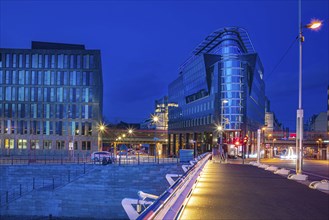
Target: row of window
59	78
55	111
205	120
190	110
22	144
53	61
46	128
39	94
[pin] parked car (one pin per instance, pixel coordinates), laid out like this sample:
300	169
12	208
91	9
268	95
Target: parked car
99	155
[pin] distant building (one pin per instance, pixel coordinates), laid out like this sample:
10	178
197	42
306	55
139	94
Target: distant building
50	99
161	111
220	84
274	127
318	122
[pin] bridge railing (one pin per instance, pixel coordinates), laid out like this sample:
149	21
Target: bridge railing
168	205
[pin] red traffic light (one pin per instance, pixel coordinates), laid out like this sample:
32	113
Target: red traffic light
245	139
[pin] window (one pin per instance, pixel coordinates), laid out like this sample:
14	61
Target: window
34	60
78	61
9	143
14	60
46	61
53	62
45	128
60	94
60	145
47	78
34	144
86	61
22	144
39	78
21	94
71	61
27	60
85	145
91	61
47	145
27	77
66	61
26	98
60	60
8	60
21	77
58	125
40	61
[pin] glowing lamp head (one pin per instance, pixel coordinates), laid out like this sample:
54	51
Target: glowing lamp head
314	25
155	119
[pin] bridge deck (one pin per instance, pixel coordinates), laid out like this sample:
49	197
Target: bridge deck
231	191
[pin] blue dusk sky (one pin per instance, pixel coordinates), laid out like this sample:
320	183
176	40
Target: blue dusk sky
143	43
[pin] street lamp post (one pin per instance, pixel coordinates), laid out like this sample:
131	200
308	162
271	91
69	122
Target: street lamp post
319	141
315	24
155	120
273	154
101	130
222	124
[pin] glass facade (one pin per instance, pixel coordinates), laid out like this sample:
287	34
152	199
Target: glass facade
220	84
47	93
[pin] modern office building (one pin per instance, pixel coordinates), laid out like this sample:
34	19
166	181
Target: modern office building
220	84
50	99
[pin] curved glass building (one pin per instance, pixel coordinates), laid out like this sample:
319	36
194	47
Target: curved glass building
221	84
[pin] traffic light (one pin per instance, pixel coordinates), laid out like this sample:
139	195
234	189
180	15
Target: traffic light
245	140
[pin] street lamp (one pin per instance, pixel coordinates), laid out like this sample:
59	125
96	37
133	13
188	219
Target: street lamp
314	25
101	130
155	120
319	141
222	123
130	132
273	154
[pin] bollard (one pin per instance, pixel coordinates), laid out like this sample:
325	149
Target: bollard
139	207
